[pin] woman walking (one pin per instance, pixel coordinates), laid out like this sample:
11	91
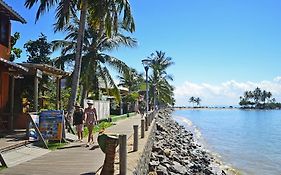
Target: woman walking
91	119
78	118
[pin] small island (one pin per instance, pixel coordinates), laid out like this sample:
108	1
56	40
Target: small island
258	99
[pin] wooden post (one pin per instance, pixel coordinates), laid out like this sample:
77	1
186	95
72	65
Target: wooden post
146	123
36	82
122	154
149	119
58	93
136	137
11	121
142	128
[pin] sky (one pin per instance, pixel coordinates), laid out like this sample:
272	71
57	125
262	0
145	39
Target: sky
220	48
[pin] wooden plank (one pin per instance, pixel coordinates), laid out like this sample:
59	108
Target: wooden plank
2	161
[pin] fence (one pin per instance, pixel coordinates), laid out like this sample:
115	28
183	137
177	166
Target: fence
102	108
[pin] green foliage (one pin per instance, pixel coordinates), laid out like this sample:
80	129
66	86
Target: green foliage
55	145
116	118
160	88
38	51
2	168
101	126
15	52
95	74
196	100
258	99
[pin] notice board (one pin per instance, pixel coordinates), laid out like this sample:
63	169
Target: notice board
51	124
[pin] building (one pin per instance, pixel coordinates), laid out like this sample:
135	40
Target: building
8	70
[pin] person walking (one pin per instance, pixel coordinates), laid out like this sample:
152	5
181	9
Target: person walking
78	118
91	120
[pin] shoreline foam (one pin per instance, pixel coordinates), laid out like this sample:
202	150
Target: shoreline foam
175	151
217	163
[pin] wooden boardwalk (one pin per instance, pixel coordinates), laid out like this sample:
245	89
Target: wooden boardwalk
73	160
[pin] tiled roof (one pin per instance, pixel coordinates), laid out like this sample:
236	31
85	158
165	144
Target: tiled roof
12	65
6	10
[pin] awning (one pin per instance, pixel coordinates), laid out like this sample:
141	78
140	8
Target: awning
6	10
47	69
12	66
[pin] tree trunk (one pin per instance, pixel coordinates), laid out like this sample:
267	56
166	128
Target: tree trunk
78	58
84	95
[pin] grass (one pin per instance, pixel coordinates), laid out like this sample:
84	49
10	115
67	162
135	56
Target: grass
2	167
52	145
101	126
115	118
55	145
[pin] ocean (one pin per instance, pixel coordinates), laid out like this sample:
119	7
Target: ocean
247	140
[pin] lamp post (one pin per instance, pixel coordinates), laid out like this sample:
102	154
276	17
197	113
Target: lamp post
146	63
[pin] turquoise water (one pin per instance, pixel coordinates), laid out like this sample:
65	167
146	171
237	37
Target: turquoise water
249	140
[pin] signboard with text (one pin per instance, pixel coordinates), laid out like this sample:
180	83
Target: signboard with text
51	124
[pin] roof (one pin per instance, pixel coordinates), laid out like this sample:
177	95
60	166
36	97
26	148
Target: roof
47	69
6	10
12	65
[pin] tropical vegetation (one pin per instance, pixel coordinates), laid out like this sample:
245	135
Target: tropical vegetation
95	73
258	99
195	100
103	15
161	91
92	30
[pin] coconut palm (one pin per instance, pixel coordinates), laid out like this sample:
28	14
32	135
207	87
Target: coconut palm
135	83
191	100
159	65
197	101
103	13
94	62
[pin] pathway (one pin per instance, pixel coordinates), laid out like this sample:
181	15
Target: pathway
73	159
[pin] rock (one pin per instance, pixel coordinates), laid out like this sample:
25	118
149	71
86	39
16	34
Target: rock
161	170
175	151
154	163
167	152
178	168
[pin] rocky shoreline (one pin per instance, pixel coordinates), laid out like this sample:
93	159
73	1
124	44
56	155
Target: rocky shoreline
175	151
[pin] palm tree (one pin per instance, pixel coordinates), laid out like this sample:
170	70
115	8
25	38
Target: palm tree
257	95
197	101
191	100
135	83
159	65
105	14
94	61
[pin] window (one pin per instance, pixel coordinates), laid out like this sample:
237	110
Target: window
4	31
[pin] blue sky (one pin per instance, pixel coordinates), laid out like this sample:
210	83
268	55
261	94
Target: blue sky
212	42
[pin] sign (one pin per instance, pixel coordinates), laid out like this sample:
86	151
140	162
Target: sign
39	73
33	136
51	124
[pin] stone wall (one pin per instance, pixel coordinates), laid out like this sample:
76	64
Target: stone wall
142	167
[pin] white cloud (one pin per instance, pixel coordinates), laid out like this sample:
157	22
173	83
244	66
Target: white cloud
226	93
